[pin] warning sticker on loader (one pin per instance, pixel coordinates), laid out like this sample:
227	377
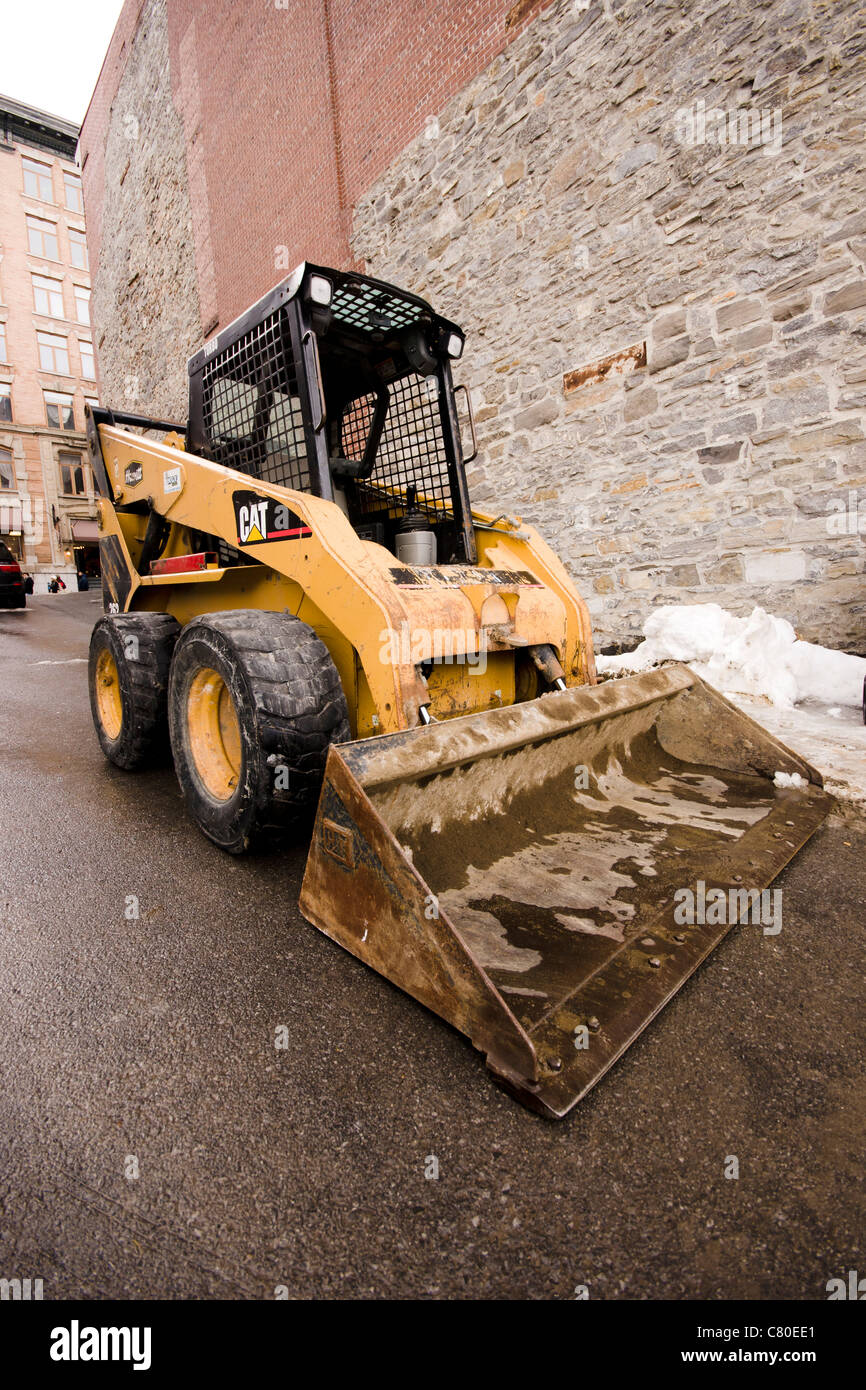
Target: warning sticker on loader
457	576
261	519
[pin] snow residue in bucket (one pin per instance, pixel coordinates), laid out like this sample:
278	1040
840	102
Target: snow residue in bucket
789	779
759	655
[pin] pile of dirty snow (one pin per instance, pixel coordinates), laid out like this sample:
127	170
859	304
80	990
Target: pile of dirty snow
759	655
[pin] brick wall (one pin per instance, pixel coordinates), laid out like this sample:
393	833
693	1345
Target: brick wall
303	105
289	111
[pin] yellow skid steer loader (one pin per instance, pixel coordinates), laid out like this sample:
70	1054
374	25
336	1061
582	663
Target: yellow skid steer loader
303	603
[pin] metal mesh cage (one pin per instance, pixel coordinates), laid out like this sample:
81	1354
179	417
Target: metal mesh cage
366	307
355	427
411	452
252	409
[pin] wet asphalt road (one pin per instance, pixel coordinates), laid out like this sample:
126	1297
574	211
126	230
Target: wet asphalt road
154	1038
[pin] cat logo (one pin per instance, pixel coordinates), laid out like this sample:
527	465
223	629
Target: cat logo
252	523
264	519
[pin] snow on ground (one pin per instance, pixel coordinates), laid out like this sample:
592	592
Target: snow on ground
759	655
808	696
835	744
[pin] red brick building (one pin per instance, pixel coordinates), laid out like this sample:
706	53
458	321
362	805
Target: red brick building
47	362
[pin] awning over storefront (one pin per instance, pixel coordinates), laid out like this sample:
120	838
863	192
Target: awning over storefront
85	532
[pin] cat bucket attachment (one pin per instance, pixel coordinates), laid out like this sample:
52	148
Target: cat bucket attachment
546	876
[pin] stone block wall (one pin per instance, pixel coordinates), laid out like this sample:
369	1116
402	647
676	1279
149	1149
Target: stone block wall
145	305
650	219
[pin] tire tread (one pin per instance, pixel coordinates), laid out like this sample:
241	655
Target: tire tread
145	729
300	708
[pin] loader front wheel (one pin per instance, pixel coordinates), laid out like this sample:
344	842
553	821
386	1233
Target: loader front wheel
254	703
130	655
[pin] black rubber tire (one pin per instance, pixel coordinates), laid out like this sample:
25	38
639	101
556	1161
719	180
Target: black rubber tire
142	667
290	707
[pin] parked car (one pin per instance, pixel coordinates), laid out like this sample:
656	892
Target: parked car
11	580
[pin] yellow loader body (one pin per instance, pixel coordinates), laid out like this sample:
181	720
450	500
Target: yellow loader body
540	859
379	619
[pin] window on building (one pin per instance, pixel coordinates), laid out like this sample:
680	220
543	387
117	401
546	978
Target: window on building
53	353
7	471
5	402
72	189
48	296
92	401
82	304
88	361
58	410
78	249
72	476
12	543
42	238
3	357
37	180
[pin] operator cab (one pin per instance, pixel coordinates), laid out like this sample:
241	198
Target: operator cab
340	385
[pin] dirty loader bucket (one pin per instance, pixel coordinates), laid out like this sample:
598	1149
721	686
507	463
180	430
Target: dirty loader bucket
528	873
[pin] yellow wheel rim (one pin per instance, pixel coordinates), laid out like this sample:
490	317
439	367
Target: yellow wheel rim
214	734
108	701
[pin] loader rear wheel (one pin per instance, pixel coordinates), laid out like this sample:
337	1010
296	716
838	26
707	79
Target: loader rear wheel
254	703
130	656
